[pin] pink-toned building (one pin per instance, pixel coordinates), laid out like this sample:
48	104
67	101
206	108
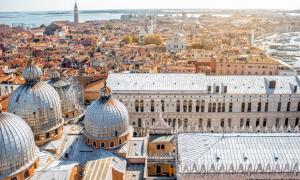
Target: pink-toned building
247	65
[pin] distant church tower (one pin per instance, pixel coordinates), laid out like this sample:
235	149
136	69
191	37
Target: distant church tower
76	18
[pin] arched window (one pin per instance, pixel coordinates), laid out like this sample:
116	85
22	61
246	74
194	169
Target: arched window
179	122
184	106
162	105
223	107
142	106
219	107
197	106
185	123
259	107
209	123
153	121
200	123
243	107
229	122
249	107
139	122
279	107
112	144
120	141
248	123
286	122
266	107
102	145
136	105
257	122
288	106
190	105
214	107
241	122
94	143
230	107
152	105
178	106
202	105
209	107
222	123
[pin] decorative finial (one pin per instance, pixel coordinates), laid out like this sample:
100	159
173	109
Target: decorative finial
105	92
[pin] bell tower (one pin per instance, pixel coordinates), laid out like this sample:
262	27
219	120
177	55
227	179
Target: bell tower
76	14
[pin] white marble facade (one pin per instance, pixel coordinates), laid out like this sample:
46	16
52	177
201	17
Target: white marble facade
220	109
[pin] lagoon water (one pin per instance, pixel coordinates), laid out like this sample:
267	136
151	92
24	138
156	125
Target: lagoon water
46	17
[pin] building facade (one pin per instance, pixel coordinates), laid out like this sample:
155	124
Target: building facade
175	43
199	103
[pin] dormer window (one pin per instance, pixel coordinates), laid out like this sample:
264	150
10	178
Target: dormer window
272	84
209	88
217	89
225	89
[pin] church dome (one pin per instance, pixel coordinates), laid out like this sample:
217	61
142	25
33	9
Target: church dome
17	147
106	118
67	93
36	102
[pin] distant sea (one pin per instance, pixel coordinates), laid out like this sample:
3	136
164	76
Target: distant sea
37	18
46	17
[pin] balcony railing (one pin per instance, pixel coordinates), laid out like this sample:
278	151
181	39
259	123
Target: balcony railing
161	156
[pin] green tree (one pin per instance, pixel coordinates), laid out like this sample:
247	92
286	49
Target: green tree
127	39
153	39
135	39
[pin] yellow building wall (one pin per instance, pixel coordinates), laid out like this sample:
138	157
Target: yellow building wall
117	175
166	169
152	148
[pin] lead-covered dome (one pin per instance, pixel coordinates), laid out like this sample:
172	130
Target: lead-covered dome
37	103
106	118
67	94
17	147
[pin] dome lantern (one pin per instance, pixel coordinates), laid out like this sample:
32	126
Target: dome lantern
105	92
32	73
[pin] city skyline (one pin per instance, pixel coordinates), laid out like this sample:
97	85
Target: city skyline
56	5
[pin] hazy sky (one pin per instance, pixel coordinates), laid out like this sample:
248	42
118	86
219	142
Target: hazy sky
36	5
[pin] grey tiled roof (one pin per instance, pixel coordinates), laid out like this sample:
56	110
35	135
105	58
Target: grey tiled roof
260	152
198	83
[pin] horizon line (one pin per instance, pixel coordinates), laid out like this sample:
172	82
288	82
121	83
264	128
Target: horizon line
149	9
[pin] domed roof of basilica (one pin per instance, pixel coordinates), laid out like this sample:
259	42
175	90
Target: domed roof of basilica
17	147
36	102
66	92
106	118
